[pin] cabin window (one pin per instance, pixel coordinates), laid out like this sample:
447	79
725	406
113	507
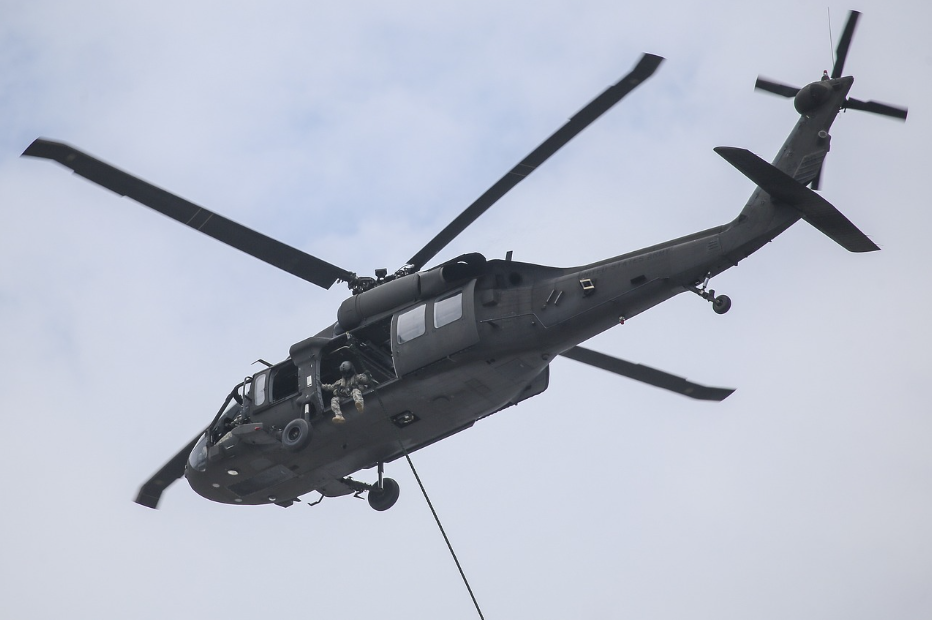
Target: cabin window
258	388
411	324
284	381
448	310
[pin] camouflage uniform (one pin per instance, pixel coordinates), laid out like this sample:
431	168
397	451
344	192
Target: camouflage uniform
350	385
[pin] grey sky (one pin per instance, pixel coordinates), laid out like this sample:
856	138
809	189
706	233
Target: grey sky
334	127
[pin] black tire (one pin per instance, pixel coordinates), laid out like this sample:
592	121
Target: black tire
297	435
721	304
384	498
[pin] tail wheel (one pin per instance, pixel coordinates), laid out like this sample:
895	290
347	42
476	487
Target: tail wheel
384	498
721	304
297	435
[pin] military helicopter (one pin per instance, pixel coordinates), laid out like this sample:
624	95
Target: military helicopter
441	348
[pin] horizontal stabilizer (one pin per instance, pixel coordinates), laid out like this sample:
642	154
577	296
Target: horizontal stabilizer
646	374
814	209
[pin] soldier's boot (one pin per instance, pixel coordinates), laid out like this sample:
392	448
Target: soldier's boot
337	412
357	399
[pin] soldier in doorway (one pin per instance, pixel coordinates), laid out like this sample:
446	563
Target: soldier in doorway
349	384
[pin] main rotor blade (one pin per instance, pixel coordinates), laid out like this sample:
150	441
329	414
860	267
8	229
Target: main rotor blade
598	106
646	374
151	491
841	52
877	108
775	87
255	244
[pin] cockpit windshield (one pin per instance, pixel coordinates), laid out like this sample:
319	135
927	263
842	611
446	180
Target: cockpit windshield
225	421
198	457
231	411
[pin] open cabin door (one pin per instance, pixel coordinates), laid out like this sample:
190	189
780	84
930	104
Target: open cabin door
318	360
434	329
368	348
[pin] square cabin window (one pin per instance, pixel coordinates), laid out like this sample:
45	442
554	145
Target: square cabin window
411	324
448	310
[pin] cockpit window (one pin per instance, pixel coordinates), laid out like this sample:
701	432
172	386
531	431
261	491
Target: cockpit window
198	457
225	421
411	324
448	310
258	388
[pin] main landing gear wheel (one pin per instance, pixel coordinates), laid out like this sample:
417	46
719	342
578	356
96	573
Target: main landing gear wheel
721	304
384	498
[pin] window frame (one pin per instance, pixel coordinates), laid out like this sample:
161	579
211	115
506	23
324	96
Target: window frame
259	389
412	331
459	310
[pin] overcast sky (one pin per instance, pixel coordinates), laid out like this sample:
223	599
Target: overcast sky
356	131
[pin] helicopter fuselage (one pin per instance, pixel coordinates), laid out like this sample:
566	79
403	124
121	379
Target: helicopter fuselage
438	364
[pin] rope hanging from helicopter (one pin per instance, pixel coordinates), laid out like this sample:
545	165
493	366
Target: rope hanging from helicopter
430	505
445	537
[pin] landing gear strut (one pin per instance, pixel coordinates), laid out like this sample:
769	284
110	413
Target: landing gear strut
382	495
720	304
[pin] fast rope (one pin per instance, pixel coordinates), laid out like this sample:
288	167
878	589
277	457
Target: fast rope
440	525
430	505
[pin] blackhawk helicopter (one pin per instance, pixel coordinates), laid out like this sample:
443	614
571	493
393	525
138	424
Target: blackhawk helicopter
444	347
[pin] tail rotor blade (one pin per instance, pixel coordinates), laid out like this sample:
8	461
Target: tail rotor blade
817	181
841	52
775	87
877	108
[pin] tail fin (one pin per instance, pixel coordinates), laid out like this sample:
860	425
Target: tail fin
813	208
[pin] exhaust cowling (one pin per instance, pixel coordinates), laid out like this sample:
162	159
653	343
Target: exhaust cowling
408	290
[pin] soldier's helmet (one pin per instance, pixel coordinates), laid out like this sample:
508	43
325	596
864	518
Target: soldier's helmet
346	369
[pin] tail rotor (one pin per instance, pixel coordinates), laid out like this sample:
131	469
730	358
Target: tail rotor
841	54
801	95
